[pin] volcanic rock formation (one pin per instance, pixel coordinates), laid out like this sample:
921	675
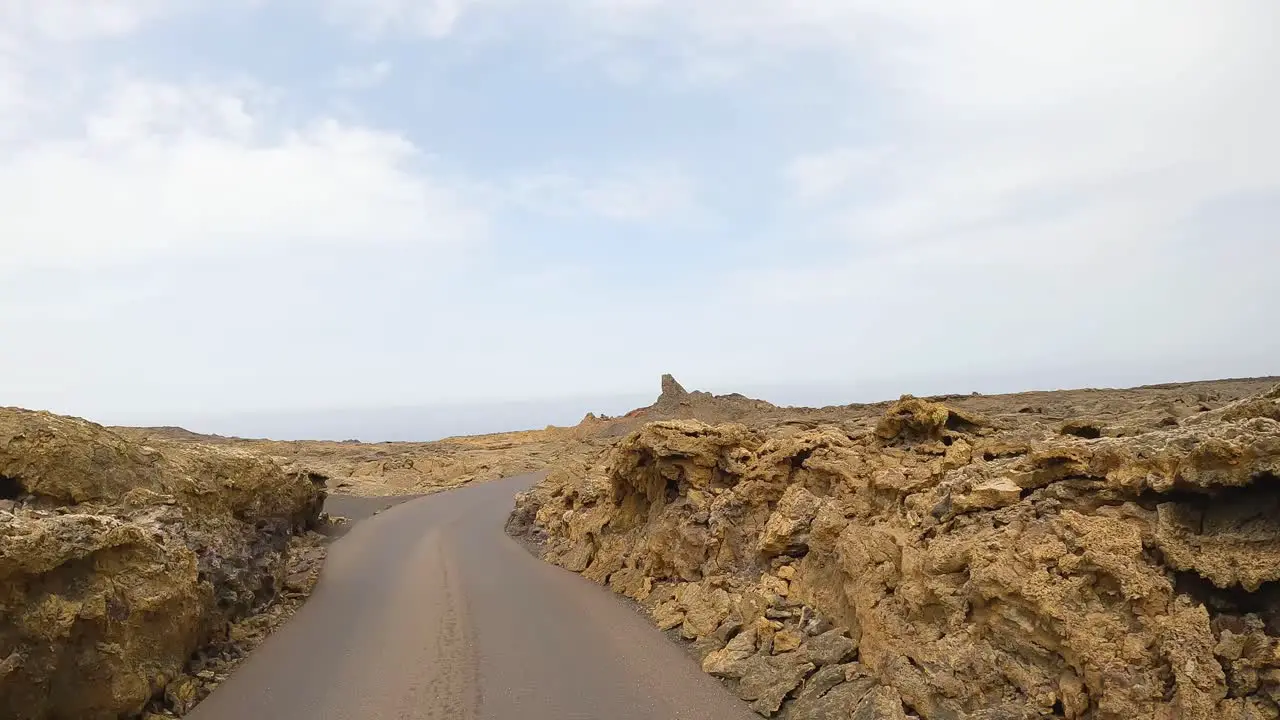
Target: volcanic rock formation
944	563
118	562
671	390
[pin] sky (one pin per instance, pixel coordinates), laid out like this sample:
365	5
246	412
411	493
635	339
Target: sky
281	216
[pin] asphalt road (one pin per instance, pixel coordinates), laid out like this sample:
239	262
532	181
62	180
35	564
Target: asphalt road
429	611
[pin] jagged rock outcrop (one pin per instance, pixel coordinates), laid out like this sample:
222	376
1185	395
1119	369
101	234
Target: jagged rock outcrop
943	564
399	468
119	561
671	390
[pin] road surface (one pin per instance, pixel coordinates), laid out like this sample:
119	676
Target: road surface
429	611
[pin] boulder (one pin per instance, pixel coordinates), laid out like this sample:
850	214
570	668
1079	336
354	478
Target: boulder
834	692
831	648
787	531
704	609
728	661
990	494
882	703
767	680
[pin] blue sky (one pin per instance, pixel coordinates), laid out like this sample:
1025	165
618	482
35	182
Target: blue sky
285	206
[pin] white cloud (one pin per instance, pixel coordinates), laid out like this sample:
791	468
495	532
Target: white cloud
71	20
111	166
646	193
1013	124
432	18
989	187
361	77
819	176
1028	183
190	168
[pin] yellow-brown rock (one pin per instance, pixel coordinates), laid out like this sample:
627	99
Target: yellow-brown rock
118	561
959	563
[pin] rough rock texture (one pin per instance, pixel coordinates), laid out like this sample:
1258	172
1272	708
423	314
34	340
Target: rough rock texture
210	666
118	562
955	557
404	468
411	468
672	390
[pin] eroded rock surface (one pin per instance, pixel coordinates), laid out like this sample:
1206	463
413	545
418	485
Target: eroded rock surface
119	563
401	468
411	468
951	562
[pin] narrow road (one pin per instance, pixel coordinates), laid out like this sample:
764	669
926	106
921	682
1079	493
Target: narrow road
430	612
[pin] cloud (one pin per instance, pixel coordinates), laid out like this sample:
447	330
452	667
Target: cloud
893	189
821	175
1046	131
362	77
72	20
164	168
636	194
1024	184
116	166
432	18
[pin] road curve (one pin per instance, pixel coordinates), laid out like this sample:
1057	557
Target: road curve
430	612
